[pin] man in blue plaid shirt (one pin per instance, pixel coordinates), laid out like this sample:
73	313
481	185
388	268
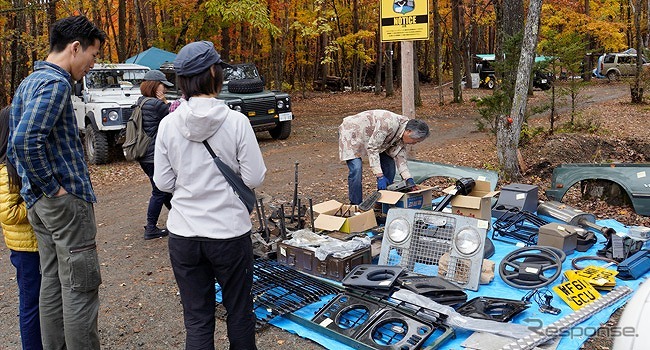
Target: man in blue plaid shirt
46	150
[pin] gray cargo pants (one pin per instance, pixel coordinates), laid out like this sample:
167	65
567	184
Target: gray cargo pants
69	300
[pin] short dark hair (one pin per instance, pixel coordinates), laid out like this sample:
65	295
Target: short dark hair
148	88
202	83
74	28
419	129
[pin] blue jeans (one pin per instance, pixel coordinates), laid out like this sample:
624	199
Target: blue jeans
355	175
157	200
28	276
196	264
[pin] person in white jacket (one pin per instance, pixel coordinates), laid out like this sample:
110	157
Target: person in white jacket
209	225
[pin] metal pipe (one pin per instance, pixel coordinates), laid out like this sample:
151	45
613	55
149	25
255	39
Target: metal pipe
295	192
311	215
267	233
283	229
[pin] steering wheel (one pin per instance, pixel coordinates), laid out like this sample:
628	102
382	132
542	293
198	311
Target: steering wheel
516	271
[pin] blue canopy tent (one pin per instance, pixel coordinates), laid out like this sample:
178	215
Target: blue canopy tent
152	57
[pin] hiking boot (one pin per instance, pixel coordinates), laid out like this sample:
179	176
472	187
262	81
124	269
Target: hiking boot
155	232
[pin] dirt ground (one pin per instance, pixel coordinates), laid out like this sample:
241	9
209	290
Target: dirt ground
140	307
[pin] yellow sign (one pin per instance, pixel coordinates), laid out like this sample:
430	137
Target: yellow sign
598	276
404	20
577	293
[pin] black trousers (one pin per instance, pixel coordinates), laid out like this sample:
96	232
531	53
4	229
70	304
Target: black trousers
157	200
196	264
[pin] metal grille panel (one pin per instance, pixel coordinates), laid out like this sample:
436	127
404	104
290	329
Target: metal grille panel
260	106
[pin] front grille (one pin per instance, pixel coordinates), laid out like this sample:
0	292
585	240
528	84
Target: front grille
260	106
126	114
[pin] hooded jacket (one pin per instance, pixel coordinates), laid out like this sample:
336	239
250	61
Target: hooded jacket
204	204
18	233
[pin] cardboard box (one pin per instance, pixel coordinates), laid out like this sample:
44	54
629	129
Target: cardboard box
304	260
561	236
334	216
477	204
419	199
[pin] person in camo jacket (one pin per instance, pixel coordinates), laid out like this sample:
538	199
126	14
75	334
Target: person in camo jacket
382	136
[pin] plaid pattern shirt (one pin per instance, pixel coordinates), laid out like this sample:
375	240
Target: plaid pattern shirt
44	143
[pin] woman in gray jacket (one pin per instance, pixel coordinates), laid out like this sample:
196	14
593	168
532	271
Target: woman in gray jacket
209	225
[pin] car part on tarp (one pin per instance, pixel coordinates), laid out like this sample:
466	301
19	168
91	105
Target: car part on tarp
586	241
464	186
516	272
433	287
399	186
495	309
372	276
543	298
575	261
376	323
458	321
635	266
570	215
516	225
557	328
416	239
620	248
279	290
520	196
487	341
559	252
489	249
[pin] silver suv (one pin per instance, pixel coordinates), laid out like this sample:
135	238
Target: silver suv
616	65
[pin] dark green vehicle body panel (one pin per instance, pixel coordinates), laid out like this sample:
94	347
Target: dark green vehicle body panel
633	178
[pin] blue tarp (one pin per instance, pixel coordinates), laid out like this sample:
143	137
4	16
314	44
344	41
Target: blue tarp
152	58
497	288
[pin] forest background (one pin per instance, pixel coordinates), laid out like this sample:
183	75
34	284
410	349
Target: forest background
301	45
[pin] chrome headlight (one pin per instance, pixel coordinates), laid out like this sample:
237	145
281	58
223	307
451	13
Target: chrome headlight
280	104
467	241
113	115
398	230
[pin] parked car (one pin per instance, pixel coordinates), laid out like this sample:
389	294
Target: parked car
616	65
103	102
542	79
243	90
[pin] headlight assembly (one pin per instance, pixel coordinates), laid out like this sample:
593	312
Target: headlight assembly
113	115
280	104
467	241
398	230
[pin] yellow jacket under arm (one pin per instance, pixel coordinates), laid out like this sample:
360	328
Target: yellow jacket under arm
18	233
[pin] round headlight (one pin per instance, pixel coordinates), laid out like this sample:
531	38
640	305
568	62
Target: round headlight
113	115
398	230
467	241
237	108
280	104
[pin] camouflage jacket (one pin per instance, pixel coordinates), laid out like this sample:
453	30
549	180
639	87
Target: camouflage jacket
371	133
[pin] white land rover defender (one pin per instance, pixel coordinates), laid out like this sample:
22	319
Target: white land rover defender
103	101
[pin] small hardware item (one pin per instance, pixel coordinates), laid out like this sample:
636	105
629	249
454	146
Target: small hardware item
370	201
494	309
543	298
516	272
575	261
585	241
635	266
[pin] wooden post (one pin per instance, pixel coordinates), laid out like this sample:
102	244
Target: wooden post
408	101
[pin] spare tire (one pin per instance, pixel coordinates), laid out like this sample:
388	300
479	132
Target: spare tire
246	86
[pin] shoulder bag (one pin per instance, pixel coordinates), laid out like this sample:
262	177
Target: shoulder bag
242	191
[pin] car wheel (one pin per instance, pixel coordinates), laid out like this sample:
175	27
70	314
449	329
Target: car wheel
246	86
490	84
96	144
281	131
612	76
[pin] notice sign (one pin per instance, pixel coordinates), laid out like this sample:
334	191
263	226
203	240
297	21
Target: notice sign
577	293
404	20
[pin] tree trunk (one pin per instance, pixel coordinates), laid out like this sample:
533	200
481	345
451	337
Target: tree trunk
390	89
437	42
456	58
121	29
143	42
378	65
637	89
509	127
417	99
19	59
